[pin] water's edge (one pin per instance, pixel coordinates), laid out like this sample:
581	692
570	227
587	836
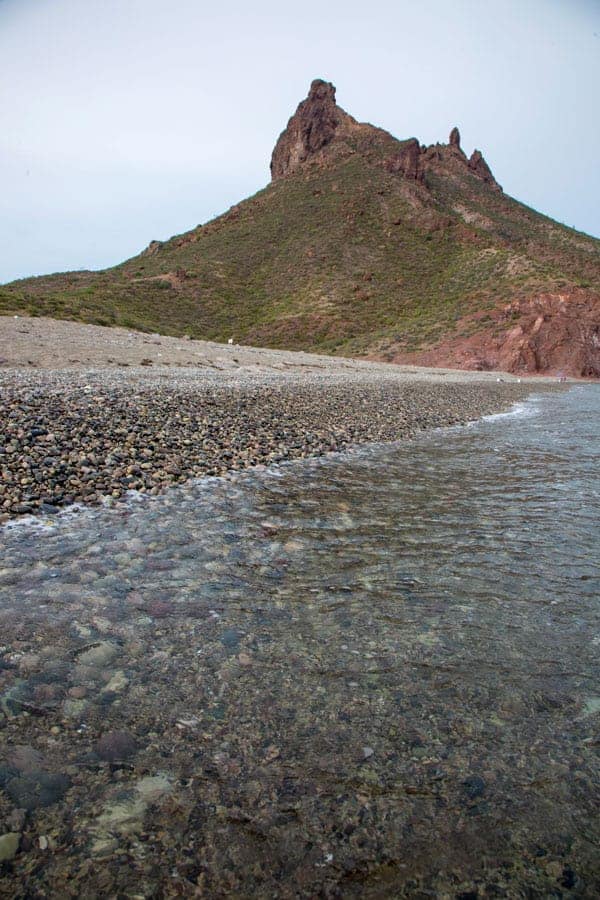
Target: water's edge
357	675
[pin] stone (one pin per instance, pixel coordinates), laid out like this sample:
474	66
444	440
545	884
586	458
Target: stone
100	655
479	167
46	694
6	773
115	746
73	709
16	819
29	662
454	139
152	248
117	683
160	609
269	528
407	161
311	128
37	789
474	787
78	692
231	637
124	814
26	759
9	844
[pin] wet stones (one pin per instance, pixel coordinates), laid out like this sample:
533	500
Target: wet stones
26	779
78	692
58	448
159	609
100	655
9	845
36	789
6	774
474	787
124	813
115	746
318	700
26	759
231	638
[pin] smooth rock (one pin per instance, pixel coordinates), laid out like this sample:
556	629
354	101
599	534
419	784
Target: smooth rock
9	844
26	759
115	746
474	786
38	789
117	683
100	655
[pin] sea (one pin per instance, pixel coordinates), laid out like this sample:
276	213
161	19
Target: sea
369	674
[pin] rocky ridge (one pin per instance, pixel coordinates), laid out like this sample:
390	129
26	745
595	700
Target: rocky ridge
319	122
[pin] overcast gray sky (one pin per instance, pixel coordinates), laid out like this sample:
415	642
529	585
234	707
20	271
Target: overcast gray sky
122	121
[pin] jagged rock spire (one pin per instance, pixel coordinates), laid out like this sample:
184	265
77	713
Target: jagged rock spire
478	165
454	139
312	127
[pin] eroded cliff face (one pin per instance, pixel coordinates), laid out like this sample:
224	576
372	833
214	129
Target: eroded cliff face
311	128
479	167
552	332
548	333
407	161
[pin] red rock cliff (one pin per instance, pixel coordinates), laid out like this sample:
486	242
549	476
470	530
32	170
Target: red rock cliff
311	128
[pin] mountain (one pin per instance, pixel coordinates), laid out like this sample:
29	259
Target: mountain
361	245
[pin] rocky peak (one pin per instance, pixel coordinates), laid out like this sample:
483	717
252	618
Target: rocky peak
311	128
479	167
318	121
321	92
407	161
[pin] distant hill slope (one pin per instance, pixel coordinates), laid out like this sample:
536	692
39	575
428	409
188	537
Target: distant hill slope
361	245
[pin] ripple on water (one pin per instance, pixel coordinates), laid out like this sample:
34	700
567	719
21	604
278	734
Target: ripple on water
326	674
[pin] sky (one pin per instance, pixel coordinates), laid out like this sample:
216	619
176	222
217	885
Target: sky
125	121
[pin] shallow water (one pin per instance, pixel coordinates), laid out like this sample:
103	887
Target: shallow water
365	675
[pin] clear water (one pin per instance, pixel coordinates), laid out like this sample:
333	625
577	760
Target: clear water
374	674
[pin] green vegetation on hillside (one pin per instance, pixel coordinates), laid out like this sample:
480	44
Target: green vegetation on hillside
343	258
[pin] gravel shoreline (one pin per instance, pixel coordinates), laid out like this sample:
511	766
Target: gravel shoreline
89	436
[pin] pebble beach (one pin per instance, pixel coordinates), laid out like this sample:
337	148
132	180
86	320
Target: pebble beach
341	665
89	413
73	439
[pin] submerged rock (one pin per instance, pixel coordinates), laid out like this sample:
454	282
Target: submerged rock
124	814
474	787
100	655
9	845
115	746
26	759
37	789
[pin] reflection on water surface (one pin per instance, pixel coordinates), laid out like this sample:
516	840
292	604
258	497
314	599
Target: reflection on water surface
373	675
